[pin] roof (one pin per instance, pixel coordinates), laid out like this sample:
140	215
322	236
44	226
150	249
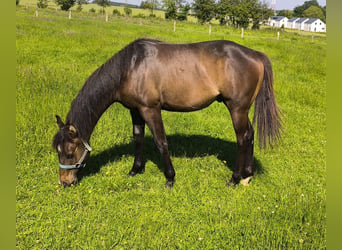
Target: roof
277	18
301	20
293	19
311	20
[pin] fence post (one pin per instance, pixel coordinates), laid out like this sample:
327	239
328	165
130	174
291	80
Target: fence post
312	38
106	17
174	25
69	14
36	12
278	35
209	29
241	32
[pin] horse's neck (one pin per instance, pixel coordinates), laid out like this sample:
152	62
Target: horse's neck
89	105
97	94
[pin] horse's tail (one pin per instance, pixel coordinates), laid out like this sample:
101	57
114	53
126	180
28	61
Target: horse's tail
266	111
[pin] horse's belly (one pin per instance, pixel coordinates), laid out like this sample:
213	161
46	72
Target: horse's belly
185	100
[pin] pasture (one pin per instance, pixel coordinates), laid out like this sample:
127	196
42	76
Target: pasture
283	207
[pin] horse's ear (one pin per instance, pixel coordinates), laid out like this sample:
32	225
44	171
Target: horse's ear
59	121
72	131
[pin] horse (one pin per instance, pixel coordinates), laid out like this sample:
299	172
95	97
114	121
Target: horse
148	76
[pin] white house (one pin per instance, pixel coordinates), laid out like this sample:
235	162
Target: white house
315	25
291	22
278	21
299	24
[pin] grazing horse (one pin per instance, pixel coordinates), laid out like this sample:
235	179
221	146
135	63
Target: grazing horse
148	76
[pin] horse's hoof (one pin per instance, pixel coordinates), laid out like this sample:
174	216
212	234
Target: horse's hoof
132	173
232	183
169	184
246	181
135	172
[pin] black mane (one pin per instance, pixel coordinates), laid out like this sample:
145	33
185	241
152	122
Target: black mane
98	92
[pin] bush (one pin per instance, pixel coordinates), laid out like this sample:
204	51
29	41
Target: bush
16	2
92	10
128	11
140	15
66	4
116	12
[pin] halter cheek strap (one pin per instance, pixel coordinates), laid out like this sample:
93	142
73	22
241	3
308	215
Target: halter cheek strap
80	163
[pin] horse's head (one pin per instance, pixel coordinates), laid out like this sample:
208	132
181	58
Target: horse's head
72	152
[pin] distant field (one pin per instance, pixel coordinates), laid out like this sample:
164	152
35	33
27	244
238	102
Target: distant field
87	7
284	207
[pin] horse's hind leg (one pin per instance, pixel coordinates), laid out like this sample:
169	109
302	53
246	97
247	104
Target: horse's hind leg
138	135
248	167
245	141
153	118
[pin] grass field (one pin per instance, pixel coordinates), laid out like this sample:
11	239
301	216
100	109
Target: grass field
284	207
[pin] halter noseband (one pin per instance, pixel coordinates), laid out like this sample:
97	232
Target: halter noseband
80	163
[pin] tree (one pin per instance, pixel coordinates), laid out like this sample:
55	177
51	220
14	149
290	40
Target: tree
79	4
183	14
171	10
224	11
308	4
286	13
103	4
299	10
65	4
205	10
239	13
42	4
314	12
266	11
149	4
176	10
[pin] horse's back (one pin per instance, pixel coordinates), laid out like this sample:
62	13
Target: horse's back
186	77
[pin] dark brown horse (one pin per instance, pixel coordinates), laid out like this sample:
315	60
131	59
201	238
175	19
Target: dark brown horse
148	75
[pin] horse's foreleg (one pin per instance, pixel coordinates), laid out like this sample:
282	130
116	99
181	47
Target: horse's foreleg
138	136
245	137
153	118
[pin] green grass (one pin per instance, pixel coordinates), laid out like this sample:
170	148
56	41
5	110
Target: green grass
283	208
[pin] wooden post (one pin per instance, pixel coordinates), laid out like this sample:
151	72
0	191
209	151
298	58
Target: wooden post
209	29
36	13
312	38
69	14
174	25
278	35
106	17
241	32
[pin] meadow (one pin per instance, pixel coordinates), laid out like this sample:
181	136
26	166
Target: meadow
284	207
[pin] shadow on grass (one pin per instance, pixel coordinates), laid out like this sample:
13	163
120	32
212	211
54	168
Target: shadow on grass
189	146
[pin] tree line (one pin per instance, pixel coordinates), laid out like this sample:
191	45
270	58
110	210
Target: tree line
236	13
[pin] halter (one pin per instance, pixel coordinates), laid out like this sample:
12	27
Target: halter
80	163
